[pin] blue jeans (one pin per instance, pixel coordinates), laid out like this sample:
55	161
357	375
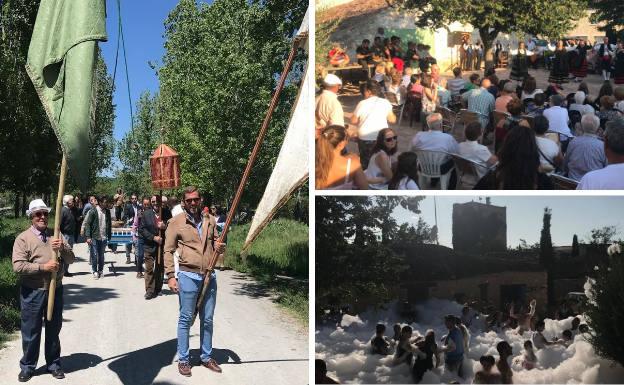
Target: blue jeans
97	259
34	304
189	291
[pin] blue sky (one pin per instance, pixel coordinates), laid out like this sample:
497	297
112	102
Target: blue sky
570	215
143	29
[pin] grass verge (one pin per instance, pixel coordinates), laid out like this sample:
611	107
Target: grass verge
278	259
9	288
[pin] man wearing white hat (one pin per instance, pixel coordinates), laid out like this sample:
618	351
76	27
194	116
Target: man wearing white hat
328	109
34	261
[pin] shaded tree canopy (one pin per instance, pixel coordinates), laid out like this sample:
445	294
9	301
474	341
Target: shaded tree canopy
537	17
221	65
361	247
138	144
610	12
26	137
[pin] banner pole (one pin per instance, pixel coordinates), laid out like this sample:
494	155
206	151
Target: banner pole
57	235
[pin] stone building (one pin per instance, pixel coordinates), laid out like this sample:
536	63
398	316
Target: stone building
479	228
361	19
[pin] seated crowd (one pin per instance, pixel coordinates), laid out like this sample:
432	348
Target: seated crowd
520	136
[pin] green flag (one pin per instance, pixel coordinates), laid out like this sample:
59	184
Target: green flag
61	64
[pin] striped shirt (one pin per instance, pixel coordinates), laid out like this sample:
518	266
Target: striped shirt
480	100
455	85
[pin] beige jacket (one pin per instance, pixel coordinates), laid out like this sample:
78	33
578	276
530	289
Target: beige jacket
29	254
195	253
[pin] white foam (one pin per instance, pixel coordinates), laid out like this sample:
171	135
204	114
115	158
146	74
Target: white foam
346	349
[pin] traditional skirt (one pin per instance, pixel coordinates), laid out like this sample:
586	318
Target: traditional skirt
581	70
519	68
618	68
558	77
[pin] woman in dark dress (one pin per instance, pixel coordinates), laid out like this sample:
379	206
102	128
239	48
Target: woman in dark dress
520	64
560	65
424	361
618	66
578	62
519	162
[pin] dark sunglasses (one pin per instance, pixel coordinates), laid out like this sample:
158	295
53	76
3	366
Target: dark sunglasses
40	214
391	138
192	200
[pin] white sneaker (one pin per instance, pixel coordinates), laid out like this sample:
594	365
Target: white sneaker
95	275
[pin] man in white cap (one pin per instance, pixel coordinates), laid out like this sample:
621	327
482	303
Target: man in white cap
328	109
34	261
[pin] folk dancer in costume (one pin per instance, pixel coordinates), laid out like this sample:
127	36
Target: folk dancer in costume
498	51
34	261
605	53
463	53
618	66
560	65
578	62
520	62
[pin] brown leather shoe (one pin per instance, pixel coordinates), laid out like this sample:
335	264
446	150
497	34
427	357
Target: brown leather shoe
212	365
184	368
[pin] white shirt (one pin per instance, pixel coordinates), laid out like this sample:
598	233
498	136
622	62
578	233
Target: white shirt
584	109
434	141
548	148
407	184
532	94
478	153
374	171
328	110
372	114
608	178
558	120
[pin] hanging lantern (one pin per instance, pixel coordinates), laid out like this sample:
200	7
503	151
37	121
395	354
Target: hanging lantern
165	168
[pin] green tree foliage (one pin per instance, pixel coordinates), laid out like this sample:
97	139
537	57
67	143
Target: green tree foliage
220	68
537	17
610	12
30	155
603	235
322	40
352	262
138	144
575	246
547	256
604	311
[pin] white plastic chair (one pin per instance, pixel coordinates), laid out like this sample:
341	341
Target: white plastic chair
429	165
468	172
392	98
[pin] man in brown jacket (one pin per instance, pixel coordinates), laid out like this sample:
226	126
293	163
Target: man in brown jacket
194	236
35	262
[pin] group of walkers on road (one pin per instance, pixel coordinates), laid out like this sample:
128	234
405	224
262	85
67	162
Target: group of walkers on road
183	236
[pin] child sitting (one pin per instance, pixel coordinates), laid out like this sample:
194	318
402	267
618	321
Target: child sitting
415	85
529	359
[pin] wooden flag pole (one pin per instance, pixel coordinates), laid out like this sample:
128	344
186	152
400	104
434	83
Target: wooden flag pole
57	235
252	158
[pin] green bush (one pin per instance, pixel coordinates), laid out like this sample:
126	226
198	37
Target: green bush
281	249
9	294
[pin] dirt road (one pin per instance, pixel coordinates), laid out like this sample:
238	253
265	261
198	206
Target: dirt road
112	335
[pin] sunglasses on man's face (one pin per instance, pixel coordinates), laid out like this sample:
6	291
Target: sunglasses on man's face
390	139
192	200
40	214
